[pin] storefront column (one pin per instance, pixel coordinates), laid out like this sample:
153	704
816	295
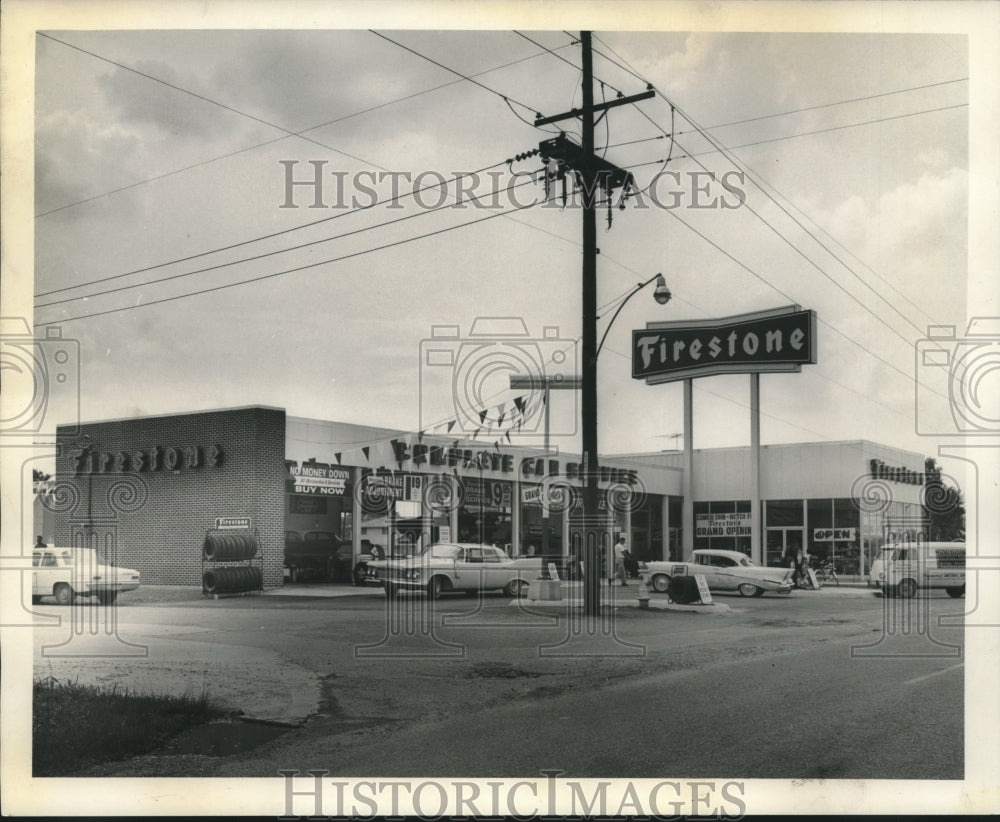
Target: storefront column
687	482
755	531
515	517
356	518
665	519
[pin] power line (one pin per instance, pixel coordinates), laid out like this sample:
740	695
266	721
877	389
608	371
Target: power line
421	213
201	97
288	270
504	97
287	135
725	152
830	105
255	239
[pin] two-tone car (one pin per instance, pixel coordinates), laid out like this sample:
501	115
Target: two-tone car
66	573
456	566
723	571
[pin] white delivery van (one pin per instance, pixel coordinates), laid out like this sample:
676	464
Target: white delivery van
925	565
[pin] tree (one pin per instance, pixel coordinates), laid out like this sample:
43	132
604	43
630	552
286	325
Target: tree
943	506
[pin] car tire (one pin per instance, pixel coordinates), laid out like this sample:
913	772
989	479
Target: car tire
516	588
748	589
390	589
107	597
660	583
956	592
64	594
435	587
759	592
906	589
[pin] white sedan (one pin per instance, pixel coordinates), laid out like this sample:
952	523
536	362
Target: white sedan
66	573
455	566
723	571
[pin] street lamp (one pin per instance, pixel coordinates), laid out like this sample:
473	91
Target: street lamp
661	294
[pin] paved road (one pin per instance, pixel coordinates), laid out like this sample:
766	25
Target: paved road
768	689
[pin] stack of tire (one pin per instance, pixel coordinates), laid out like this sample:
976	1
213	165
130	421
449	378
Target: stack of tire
233	579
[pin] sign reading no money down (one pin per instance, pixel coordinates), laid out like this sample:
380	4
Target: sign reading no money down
780	339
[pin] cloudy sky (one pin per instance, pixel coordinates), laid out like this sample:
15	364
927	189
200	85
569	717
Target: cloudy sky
168	242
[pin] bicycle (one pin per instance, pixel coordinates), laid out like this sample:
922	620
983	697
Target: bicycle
827	573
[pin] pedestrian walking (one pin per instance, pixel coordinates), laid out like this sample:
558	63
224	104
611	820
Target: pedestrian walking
620	561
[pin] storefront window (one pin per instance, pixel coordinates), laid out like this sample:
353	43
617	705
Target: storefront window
534	524
722	525
485	515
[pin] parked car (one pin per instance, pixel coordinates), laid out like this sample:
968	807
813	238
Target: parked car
723	571
456	566
66	573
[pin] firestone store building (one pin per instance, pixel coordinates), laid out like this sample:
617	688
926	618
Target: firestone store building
318	497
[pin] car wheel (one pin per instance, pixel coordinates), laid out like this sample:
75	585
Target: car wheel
64	594
748	589
435	587
956	592
390	589
107	597
907	589
660	583
516	588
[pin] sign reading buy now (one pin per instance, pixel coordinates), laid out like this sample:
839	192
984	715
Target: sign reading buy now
780	339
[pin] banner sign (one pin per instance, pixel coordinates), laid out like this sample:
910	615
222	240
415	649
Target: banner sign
493	496
318	478
834	534
781	339
722	525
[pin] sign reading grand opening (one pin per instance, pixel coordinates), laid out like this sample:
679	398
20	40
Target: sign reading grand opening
777	340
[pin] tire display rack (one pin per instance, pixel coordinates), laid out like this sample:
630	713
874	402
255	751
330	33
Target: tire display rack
231	563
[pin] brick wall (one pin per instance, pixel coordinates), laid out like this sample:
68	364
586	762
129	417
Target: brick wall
154	511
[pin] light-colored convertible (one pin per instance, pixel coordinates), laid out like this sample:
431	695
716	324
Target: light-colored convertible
723	571
456	566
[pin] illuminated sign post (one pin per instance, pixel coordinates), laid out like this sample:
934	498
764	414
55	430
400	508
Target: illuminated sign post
779	340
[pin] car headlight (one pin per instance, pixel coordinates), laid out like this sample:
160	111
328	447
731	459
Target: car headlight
415	575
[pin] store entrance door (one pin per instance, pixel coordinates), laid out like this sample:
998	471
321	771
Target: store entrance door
782	543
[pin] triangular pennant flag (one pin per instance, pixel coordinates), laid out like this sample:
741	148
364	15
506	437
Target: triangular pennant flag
497	445
508	436
337	458
500	408
451	424
500	419
482	415
366	450
475	433
519	402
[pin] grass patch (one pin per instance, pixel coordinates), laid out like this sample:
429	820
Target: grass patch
76	726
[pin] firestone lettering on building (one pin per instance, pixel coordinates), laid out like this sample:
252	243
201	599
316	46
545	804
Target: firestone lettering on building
157	458
907	476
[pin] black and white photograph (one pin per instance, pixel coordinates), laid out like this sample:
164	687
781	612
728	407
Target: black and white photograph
424	409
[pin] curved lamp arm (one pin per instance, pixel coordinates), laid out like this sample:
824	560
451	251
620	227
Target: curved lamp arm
662	295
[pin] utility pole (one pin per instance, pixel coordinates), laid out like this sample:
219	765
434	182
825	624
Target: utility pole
593	173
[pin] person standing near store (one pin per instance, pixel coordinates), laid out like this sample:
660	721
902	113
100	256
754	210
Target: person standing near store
620	560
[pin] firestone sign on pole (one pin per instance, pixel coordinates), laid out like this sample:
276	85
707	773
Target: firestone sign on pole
778	340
